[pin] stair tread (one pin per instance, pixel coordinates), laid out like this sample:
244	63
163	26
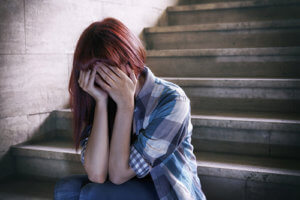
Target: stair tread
235	82
26	188
227	5
249	163
288	118
207	159
225	26
238	116
265	51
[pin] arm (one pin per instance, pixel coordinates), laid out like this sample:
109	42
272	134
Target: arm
97	149
119	170
154	143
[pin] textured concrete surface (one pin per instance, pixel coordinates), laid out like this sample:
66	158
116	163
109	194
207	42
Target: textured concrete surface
225	35
222	12
26	188
12	34
245	101
277	62
232	176
262	134
37	41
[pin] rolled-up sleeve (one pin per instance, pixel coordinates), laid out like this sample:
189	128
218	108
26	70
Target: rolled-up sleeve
165	131
83	145
83	142
138	163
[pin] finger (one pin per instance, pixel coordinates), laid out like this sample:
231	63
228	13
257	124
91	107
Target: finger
92	77
81	76
86	77
132	75
110	73
105	77
118	71
102	83
112	68
79	79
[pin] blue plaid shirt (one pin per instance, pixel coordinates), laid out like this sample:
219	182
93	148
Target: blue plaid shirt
163	129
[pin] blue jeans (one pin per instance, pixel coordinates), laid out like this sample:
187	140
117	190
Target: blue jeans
80	187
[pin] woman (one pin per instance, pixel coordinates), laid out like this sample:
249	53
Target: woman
134	128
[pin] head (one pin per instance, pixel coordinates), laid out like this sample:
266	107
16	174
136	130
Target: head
111	42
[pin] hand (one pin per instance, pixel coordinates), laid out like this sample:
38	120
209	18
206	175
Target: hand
119	86
87	83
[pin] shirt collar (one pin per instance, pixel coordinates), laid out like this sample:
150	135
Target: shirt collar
145	93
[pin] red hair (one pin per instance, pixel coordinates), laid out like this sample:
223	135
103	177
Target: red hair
112	42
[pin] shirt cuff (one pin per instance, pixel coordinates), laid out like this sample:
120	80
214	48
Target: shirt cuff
138	163
83	143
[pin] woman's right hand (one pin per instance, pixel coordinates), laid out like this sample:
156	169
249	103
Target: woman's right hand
87	83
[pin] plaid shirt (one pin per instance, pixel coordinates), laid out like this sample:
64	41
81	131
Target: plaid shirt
163	129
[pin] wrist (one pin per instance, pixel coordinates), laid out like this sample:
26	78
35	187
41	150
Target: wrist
101	104
125	107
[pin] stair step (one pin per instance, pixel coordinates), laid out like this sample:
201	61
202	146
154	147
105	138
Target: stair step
225	35
249	168
215	130
236	11
249	95
257	134
53	158
26	188
252	176
245	177
248	133
245	172
276	62
188	2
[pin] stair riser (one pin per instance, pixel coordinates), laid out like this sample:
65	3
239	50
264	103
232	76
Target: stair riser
247	148
64	124
244	105
247	93
235	188
187	2
47	168
234	15
223	39
225	66
57	168
241	137
230	183
262	138
231	188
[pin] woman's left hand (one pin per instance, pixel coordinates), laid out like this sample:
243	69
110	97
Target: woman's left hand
119	86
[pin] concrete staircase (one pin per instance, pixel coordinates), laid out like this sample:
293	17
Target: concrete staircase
238	63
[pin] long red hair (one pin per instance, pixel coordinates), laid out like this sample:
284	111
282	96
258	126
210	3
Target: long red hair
110	41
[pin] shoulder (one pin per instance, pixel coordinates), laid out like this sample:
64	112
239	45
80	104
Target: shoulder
172	98
169	91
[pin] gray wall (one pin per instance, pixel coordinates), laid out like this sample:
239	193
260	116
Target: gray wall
37	39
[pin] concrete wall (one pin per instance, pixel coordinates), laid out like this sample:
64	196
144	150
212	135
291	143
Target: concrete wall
37	39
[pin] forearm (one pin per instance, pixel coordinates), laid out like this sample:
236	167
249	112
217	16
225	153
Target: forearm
120	143
97	150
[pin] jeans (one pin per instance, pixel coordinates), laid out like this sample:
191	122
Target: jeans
80	187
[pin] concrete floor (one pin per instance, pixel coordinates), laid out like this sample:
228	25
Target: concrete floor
25	188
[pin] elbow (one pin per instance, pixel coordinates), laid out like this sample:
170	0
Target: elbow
97	178
116	179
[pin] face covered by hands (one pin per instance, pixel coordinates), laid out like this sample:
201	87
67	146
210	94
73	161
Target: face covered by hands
119	86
